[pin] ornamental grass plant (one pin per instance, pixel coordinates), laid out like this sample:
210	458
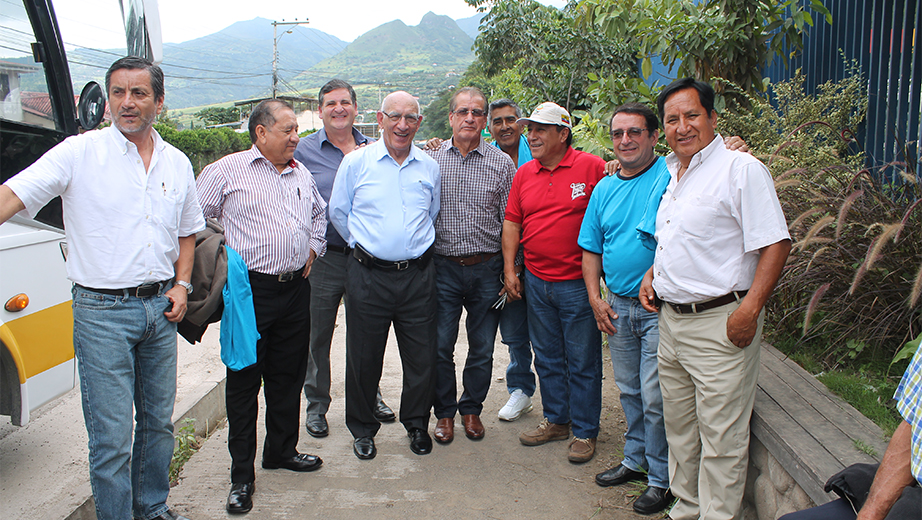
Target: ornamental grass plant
849	296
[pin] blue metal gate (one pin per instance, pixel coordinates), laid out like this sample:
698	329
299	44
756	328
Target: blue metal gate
884	37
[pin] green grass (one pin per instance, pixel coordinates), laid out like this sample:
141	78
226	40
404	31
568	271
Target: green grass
860	445
870	395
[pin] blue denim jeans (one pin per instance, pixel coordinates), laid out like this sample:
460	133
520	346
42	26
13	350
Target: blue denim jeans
568	353
633	358
126	355
513	328
474	288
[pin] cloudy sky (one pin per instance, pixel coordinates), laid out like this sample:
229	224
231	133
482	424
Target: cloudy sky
184	20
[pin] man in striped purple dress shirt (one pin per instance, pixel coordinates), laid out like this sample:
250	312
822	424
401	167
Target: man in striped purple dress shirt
273	216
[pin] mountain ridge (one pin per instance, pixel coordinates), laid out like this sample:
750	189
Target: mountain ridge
236	62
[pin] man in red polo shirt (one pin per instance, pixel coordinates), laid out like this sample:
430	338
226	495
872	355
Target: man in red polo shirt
545	209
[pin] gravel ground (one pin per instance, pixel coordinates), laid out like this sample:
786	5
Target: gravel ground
494	478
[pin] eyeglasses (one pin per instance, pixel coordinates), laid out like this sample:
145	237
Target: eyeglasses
395	117
633	133
464	112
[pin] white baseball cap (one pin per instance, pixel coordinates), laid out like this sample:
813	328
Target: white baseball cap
549	114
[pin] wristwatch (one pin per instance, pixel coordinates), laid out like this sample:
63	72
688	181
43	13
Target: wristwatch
185	284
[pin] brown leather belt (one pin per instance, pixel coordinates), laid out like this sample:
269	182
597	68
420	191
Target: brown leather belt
467	261
694	308
141	291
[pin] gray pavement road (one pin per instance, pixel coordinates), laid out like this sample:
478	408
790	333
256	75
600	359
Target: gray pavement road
494	478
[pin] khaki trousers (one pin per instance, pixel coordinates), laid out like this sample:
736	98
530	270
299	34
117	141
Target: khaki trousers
708	387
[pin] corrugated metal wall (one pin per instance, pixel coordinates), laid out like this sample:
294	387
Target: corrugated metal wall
884	36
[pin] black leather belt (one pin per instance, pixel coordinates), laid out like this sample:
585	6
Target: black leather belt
365	258
339	249
466	261
141	291
694	308
281	278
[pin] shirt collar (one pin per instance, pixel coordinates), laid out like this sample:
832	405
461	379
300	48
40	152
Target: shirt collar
380	152
254	155
673	163
359	137
567	161
480	148
123	141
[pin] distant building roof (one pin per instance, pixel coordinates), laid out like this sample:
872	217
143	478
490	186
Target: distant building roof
23	68
290	99
39	103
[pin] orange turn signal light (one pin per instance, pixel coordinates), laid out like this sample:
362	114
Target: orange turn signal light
17	303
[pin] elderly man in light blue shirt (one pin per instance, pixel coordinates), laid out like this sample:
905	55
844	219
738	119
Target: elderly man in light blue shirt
384	202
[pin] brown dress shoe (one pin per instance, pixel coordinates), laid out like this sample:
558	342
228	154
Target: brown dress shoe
445	430
473	428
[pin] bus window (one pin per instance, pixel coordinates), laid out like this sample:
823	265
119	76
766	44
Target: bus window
24	94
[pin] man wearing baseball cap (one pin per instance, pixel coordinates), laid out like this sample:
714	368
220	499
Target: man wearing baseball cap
545	209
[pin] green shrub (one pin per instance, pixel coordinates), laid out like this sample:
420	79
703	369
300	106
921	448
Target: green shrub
204	147
850	289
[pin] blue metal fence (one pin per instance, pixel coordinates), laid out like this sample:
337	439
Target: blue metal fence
884	37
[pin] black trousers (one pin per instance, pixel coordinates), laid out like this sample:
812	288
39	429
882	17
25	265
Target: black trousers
283	322
377	299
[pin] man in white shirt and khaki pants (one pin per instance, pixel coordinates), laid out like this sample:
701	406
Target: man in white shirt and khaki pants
722	241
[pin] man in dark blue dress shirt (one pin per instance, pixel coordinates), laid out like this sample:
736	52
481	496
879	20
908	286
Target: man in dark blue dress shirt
322	152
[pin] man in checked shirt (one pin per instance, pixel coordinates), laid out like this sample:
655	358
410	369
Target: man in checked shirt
476	178
273	216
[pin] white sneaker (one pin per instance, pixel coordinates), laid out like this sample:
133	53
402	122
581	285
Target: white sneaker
518	405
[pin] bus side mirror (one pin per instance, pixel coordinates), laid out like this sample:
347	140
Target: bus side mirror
92	106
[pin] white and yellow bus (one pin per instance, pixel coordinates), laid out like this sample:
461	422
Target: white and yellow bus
37	111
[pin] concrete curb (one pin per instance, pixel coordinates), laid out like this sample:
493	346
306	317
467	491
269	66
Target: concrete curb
204	405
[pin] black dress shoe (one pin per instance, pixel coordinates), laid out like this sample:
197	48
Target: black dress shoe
300	462
383	412
420	442
364	448
617	476
169	515
240	499
316	425
653	500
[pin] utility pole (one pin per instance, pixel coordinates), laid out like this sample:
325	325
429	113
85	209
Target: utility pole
275	52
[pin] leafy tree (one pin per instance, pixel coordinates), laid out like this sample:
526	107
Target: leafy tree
728	39
724	42
164	118
535	53
435	117
218	115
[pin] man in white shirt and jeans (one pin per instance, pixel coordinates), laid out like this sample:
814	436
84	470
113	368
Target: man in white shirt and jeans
131	214
722	240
